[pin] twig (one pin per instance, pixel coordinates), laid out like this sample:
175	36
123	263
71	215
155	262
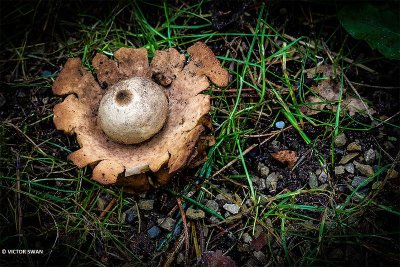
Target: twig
388	119
177	247
329	53
27	137
108	208
376	86
18	215
348	60
247	151
358	95
185	229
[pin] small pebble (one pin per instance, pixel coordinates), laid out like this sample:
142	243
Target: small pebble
46	74
260	182
354	146
312	180
247	238
369	156
392	174
275	146
366	170
232	208
323	177
212	204
339	170
260	256
347	158
357	180
153	232
280	124
349	167
263	170
167	223
340	140
272	181
377	185
195	214
131	215
146	204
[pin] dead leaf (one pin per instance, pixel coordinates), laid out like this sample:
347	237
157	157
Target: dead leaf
355	105
315	106
288	157
216	259
326	70
328	89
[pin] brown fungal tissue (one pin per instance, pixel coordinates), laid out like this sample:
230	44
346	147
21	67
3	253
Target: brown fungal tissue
138	123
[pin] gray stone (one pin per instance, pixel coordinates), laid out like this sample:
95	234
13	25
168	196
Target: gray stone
260	256
357	180
312	180
130	215
323	177
369	156
195	214
214	219
392	174
318	171
153	232
377	185
263	170
354	146
166	223
340	140
146	204
274	146
339	170
232	208
349	167
247	238
212	204
347	158
366	170
272	181
260	182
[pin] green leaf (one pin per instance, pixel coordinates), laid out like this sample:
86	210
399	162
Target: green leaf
379	26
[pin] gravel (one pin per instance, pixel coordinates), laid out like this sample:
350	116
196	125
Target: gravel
312	180
166	223
340	140
347	158
339	170
232	208
263	170
354	146
272	181
366	170
153	232
369	156
195	214
146	204
349	167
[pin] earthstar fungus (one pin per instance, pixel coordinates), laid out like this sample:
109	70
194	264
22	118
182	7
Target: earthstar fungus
180	137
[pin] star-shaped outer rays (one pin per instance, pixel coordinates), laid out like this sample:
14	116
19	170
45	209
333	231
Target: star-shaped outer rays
180	142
